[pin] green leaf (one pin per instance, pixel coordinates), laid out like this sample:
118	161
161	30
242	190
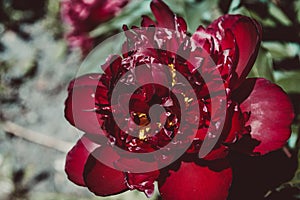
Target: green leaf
282	50
177	6
292	142
199	13
234	6
263	67
289	80
279	15
297	10
53	7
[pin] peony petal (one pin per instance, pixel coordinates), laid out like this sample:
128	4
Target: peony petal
271	113
248	41
76	159
85	80
112	66
147	21
194	182
140	73
80	104
100	178
163	14
247	34
84	15
181	24
104	10
80	109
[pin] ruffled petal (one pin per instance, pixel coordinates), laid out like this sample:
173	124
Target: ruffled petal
100	178
142	181
238	38
271	113
194	182
76	159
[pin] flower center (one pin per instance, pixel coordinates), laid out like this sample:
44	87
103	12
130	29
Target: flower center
142	133
141	119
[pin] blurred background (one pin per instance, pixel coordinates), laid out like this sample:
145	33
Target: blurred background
42	45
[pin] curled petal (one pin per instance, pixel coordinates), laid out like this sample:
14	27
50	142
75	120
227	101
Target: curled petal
76	159
100	178
271	113
194	182
237	37
247	34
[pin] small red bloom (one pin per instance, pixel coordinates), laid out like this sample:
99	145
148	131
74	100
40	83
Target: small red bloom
224	52
84	15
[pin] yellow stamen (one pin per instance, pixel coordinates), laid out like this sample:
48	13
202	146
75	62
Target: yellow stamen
187	100
142	117
173	72
142	134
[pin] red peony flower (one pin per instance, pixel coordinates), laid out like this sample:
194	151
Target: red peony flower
181	80
84	15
